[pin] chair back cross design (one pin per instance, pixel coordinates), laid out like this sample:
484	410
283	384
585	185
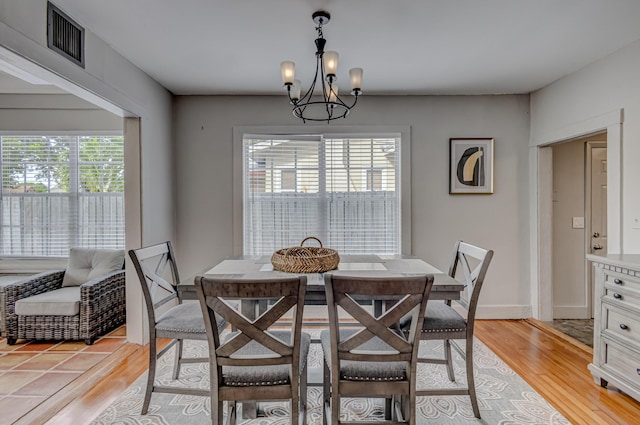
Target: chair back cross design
473	261
227	353
151	262
382	327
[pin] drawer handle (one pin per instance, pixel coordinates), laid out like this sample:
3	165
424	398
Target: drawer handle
638	370
623	326
617	296
617	281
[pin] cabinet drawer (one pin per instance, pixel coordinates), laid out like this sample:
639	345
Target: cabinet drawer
620	296
623	363
621	323
619	280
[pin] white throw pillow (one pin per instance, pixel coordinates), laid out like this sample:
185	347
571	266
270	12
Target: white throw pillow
86	264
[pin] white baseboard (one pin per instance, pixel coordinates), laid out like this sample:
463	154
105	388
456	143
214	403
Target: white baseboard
503	312
571	312
483	312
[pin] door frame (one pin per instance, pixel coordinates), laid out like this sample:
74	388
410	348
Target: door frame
590	284
541	206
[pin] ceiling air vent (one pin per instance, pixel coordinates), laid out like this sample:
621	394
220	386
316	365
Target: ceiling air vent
64	35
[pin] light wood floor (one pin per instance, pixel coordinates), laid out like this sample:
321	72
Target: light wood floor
554	365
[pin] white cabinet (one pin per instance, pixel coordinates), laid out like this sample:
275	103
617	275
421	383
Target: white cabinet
616	339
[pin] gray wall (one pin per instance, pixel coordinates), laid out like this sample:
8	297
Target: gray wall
53	112
204	127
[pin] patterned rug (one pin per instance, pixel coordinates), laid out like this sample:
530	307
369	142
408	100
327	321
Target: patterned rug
503	397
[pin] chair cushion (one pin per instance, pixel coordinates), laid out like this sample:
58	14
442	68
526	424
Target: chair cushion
365	371
438	318
59	302
254	376
185	321
86	264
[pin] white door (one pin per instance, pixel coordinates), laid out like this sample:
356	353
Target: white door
597	206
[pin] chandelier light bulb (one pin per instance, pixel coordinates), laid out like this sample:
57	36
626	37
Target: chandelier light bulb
332	92
288	70
295	90
330	61
355	75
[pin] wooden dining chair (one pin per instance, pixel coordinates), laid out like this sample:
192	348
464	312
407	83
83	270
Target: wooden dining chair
369	356
168	316
443	322
263	359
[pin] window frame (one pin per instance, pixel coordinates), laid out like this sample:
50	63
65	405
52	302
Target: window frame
239	133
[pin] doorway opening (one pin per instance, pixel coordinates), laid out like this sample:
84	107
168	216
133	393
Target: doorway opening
579	227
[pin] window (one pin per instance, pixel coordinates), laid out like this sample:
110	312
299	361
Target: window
60	192
343	189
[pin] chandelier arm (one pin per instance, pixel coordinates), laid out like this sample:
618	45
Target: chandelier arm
343	103
307	96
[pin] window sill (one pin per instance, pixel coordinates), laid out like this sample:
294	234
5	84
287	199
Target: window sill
30	265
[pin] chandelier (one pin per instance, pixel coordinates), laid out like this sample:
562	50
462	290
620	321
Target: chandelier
331	107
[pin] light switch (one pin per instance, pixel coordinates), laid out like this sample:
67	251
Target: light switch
578	222
635	223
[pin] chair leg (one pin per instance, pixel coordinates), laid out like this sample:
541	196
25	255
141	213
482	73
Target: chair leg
408	406
295	401
326	392
232	412
151	376
178	360
217	411
303	395
449	359
470	379
335	407
388	409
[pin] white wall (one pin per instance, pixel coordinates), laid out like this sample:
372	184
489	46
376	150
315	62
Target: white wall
114	83
601	88
569	291
204	148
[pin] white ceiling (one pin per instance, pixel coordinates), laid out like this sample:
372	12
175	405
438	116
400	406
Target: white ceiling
404	46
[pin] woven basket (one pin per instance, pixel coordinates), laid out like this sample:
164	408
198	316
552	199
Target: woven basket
305	259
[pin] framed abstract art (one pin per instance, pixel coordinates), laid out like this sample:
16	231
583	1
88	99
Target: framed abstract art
471	166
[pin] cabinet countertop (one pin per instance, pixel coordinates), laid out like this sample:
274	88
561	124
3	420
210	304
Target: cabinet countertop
629	261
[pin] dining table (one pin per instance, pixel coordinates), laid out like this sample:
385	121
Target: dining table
260	267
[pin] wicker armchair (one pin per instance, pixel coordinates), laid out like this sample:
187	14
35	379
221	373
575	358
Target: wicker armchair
101	308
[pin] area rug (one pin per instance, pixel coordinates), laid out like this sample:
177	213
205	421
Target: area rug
503	397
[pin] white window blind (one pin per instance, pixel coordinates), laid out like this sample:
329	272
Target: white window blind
60	192
346	192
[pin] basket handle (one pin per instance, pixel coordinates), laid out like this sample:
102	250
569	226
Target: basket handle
311	237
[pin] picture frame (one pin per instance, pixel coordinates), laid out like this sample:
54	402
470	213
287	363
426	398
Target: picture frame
471	166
